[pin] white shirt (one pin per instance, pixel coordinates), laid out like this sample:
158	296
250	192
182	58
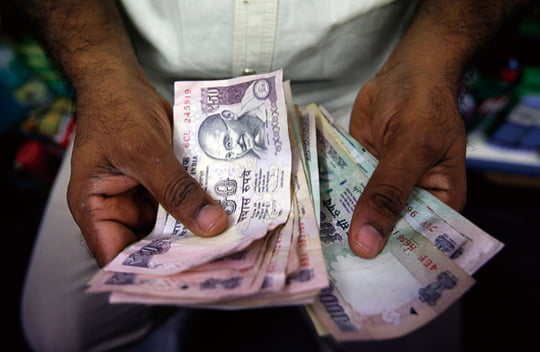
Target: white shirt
328	49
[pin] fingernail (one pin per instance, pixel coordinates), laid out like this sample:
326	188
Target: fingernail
369	240
209	217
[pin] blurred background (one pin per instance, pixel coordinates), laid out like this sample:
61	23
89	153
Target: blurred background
500	105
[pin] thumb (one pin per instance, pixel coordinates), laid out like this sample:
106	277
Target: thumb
382	201
183	197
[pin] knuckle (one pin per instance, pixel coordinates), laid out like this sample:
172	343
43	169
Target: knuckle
433	148
78	203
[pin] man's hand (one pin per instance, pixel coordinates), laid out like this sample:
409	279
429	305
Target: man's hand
411	124
123	165
407	115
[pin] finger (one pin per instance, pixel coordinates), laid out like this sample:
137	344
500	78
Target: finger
448	182
108	238
111	223
134	208
102	221
182	196
382	201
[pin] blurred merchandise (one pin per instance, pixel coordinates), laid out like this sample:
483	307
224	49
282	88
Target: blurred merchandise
491	94
13	76
35	160
501	105
34	57
520	127
37	107
54	122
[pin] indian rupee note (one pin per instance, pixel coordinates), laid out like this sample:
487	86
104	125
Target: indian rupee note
408	284
191	286
309	141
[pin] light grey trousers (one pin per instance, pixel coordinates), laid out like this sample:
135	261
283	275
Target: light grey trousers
57	313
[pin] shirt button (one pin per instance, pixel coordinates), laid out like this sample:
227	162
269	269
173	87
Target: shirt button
248	71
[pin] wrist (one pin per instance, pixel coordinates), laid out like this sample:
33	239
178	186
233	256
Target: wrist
445	36
86	38
108	59
432	55
104	72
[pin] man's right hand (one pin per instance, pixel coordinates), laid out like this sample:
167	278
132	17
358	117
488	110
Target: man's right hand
123	165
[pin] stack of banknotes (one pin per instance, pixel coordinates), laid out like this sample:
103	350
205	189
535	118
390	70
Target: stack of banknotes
289	180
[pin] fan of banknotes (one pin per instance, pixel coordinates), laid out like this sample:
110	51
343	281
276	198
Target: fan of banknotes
289	180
